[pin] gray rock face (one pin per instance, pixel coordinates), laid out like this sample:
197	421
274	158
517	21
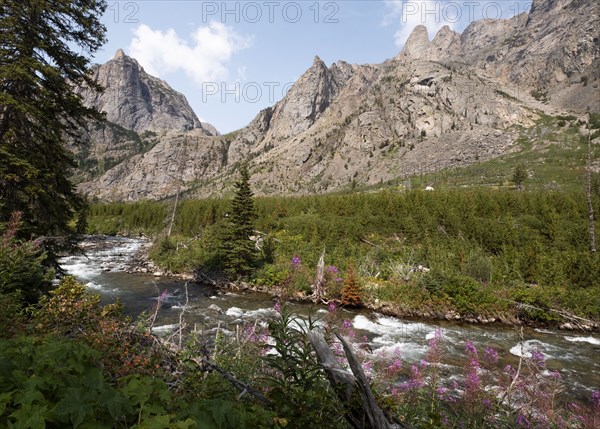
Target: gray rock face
417	45
137	101
439	104
310	96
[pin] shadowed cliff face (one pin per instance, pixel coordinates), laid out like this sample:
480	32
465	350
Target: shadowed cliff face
446	102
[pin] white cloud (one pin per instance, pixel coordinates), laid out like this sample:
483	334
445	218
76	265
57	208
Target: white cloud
204	59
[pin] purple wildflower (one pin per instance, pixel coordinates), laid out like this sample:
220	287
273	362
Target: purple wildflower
490	355
346	324
277	307
537	358
508	369
251	334
332	307
596	398
395	366
416	378
522	421
470	348
473	381
441	391
487	403
296	262
339	279
332	269
435	340
423	363
162	296
555	375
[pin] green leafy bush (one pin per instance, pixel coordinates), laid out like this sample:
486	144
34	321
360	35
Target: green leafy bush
23	273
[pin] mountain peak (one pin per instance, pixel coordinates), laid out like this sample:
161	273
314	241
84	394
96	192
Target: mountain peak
317	61
137	101
119	54
417	43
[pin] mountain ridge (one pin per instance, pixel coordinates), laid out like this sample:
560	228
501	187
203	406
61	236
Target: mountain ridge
451	101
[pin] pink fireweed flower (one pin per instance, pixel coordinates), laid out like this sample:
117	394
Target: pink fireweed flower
522	421
332	307
596	398
251	334
490	355
487	403
277	307
537	358
472	382
394	367
437	338
346	324
416	378
470	348
554	374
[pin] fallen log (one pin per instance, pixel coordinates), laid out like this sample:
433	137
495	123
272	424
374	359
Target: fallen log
353	388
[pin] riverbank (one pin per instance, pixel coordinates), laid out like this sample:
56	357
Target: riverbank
402	312
140	262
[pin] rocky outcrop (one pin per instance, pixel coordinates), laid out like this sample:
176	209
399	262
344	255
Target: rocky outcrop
137	101
417	45
140	110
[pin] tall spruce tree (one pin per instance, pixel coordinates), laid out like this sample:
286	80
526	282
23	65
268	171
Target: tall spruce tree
238	249
44	54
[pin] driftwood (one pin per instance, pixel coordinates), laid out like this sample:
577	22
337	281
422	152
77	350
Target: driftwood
582	323
353	388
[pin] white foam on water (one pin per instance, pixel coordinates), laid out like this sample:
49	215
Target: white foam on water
592	340
234	312
261	313
94	286
81	269
430	335
387	326
364	324
529	346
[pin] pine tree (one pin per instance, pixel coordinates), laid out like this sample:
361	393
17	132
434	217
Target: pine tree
519	176
43	56
351	291
238	249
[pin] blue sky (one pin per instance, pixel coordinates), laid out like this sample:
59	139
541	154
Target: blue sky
233	58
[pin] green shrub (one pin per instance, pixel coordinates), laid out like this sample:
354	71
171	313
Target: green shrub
23	273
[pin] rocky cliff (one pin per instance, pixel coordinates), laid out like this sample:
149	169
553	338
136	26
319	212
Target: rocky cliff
440	103
140	110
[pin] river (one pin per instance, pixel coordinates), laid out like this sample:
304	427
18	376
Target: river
104	269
